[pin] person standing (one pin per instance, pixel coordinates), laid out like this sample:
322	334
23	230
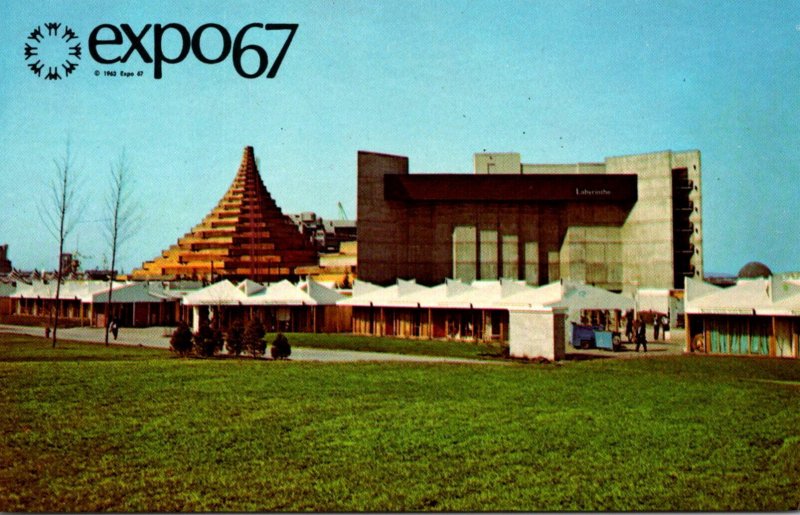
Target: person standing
629	325
656	326
641	335
665	327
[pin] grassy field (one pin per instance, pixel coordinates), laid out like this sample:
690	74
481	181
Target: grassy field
451	349
89	428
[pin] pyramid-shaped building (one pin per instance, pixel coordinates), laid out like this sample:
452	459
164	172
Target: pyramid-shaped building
246	236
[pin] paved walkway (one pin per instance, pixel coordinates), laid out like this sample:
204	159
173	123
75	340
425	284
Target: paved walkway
672	347
158	337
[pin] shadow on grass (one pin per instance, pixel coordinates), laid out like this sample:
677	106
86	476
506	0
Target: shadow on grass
35	349
583	356
69	358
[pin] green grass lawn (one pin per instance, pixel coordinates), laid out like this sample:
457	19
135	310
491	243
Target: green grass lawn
425	347
89	428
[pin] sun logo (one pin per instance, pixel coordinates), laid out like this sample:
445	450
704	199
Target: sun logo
52	52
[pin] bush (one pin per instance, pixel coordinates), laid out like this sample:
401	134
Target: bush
181	340
235	341
280	347
207	341
253	341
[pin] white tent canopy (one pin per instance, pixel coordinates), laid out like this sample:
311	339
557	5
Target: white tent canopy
85	291
502	294
250	293
770	296
572	296
220	293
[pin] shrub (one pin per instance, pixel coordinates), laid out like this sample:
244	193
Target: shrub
207	341
181	340
253	341
235	341
280	347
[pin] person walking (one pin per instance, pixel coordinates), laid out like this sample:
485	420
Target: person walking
641	336
114	327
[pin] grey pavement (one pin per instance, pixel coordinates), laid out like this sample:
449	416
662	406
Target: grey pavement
673	346
158	337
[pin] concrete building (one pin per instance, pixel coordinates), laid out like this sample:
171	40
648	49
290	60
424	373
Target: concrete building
326	235
622	224
335	269
5	263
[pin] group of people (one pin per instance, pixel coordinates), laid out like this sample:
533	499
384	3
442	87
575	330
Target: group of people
636	327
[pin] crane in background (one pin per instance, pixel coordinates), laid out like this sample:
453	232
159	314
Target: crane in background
342	212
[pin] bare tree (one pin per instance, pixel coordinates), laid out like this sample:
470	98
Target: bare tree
58	215
120	221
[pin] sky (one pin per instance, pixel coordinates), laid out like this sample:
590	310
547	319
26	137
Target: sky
559	82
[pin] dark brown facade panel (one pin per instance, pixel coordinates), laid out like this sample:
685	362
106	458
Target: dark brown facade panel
511	188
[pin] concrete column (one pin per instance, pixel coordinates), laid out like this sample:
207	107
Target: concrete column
537	333
195	319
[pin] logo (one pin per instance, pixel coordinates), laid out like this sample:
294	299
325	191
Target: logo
254	50
111	45
54	51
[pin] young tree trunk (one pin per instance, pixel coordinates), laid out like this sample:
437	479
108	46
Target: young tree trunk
120	223
60	225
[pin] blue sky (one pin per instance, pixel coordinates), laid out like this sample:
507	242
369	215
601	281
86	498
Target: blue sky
561	81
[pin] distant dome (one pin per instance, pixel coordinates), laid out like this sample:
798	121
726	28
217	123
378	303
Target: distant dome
753	270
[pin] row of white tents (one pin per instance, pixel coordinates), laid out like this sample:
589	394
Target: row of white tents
489	295
478	310
251	293
452	294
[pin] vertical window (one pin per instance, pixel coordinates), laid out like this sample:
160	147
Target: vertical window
489	268
510	251
553	266
465	253
531	258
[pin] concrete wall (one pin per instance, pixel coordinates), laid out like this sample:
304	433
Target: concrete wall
564	168
647	237
510	163
383	225
537	333
593	255
691	161
498	162
647	233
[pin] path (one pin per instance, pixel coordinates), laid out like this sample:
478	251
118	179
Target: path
158	337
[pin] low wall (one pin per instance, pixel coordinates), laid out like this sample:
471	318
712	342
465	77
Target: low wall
537	333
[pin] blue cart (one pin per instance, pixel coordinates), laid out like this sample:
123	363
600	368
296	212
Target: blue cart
591	337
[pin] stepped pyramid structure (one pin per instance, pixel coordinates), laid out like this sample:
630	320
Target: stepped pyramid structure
246	236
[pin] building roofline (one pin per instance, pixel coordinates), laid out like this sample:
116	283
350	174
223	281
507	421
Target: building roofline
372	153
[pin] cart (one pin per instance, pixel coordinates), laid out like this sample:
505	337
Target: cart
591	337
